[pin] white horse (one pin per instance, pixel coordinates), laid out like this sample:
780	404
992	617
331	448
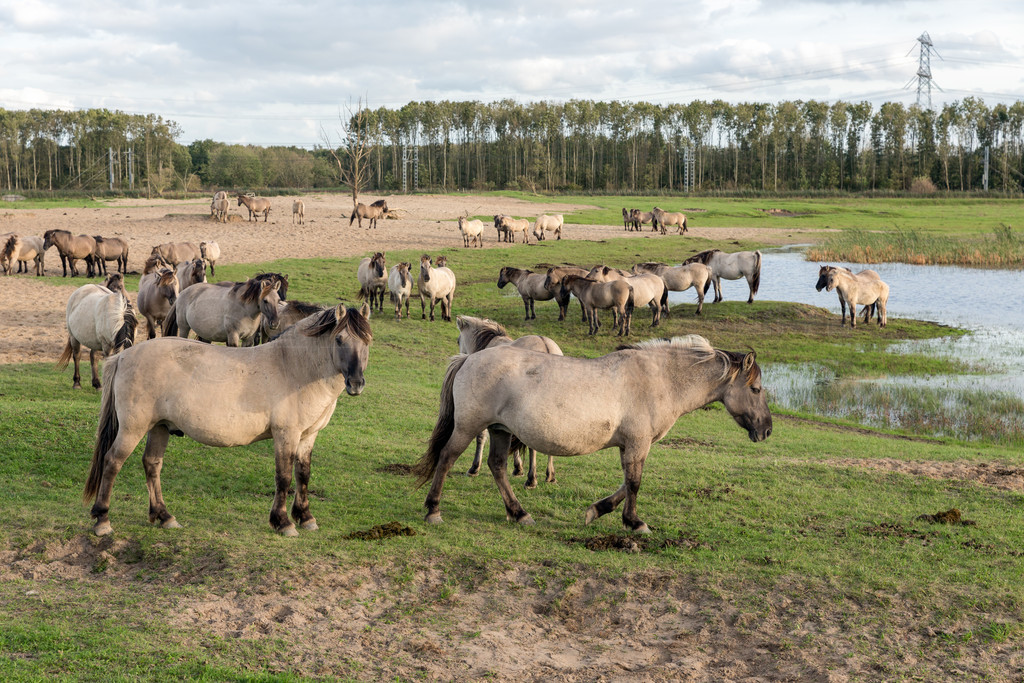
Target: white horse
22	249
100	318
648	289
666	218
372	274
298	209
400	287
190	273
210	251
549	223
680	278
436	284
472	231
860	289
745	264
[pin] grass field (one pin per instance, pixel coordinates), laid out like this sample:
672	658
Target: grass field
822	561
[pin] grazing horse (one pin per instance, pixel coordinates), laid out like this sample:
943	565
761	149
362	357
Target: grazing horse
640	390
100	318
298	210
648	289
176	252
745	264
616	295
22	250
229	314
476	334
286	391
548	223
373	279
400	287
158	289
642	218
680	278
219	209
822	282
859	289
530	285
553	283
110	249
210	252
71	249
436	284
472	231
256	206
190	273
663	219
378	209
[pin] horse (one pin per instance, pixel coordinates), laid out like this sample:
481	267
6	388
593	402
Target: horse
374	211
286	391
859	289
219	209
476	334
513	225
869	309
190	273
436	284
158	289
666	218
256	206
680	278
400	288
472	231
549	223
229	314
642	218
220	194
298	209
627	219
501	225
100	318
176	252
643	389
616	295
71	249
110	249
530	285
22	250
746	264
553	283
373	279
288	313
648	289
210	252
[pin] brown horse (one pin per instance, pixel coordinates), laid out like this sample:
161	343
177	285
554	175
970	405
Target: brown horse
256	206
648	288
379	209
229	314
110	249
553	283
176	252
190	273
616	295
642	218
286	391
663	219
71	249
476	334
22	250
530	285
158	289
638	393
288	313
859	289
680	278
822	282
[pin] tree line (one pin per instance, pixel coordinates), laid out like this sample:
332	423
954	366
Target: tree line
576	146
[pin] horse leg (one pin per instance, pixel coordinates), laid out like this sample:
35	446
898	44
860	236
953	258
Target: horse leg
123	445
423	307
655	307
76	349
497	461
531	474
286	446
750	283
549	475
517	462
718	288
595	324
300	506
92	366
153	462
632	470
853	314
451	451
526	305
478	457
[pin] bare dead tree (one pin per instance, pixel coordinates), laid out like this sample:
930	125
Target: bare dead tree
353	151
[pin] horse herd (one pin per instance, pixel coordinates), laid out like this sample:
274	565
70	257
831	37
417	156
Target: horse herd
509	228
660	220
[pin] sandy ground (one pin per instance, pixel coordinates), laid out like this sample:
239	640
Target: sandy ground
32	313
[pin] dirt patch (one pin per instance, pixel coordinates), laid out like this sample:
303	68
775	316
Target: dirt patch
951	516
397	468
996	475
636	544
784	213
381	531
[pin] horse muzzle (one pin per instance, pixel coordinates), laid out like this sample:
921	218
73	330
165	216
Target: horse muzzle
354	388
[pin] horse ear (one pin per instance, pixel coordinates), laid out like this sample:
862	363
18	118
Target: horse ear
748	362
460	322
364	310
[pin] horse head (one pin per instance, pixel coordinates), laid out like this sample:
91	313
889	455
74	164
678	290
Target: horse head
425	268
442	261
379	264
269	298
744	397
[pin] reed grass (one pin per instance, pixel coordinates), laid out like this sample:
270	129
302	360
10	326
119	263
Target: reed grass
1003	248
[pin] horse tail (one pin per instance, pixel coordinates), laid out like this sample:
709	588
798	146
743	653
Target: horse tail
427	464
707	283
106	432
352	217
65	357
125	336
171	322
629	302
756	282
664	300
681	231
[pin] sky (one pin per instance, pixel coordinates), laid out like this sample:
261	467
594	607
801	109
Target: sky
282	73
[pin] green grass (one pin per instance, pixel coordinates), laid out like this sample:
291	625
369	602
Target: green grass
1002	249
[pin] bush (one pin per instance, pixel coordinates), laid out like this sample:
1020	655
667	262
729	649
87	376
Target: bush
923	185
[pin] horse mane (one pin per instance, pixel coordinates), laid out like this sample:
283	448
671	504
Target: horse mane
703	353
303	308
380	203
651	264
8	250
262	279
701	257
483	331
353	321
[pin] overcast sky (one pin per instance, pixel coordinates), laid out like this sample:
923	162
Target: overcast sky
276	73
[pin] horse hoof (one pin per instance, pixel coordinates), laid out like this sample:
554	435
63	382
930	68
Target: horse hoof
472	473
433	518
288	531
642	529
170	523
310	525
591	515
531	484
103	529
526	520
